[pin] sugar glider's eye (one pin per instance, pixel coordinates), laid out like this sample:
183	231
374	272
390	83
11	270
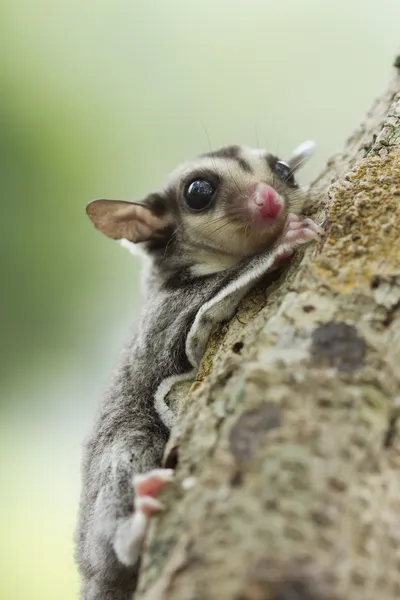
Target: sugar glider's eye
284	172
199	194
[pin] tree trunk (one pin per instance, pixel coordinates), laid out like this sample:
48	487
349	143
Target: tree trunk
288	446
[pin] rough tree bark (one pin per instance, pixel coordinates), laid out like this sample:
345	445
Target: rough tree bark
288	445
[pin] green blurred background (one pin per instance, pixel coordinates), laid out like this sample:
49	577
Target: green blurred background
102	99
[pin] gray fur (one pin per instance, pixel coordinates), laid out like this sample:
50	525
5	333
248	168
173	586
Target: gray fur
129	436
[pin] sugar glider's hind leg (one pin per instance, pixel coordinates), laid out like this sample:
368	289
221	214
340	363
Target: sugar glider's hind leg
131	533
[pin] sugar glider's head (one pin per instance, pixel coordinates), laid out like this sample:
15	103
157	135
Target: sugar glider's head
213	211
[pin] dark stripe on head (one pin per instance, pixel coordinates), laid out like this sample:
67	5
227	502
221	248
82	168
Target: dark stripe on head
158	203
232	153
271	161
163	203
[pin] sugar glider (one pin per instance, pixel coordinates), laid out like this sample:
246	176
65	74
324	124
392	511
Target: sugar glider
219	224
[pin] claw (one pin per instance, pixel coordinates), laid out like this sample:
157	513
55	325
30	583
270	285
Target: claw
300	230
148	506
310	224
149	484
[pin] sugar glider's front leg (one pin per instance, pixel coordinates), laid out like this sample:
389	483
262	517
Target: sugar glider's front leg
298	230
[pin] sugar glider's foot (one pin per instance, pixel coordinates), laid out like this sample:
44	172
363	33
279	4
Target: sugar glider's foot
131	533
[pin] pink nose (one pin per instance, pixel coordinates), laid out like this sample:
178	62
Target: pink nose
268	203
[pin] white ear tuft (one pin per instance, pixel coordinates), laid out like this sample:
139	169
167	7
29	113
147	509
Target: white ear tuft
301	155
135	249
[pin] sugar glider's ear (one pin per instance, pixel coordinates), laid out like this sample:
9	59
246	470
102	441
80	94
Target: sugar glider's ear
133	221
301	155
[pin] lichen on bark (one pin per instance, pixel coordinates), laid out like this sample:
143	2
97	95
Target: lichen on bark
288	446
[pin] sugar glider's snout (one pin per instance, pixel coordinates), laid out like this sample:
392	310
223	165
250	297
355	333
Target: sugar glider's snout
264	205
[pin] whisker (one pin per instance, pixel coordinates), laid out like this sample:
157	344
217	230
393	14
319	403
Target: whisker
233	179
222	227
238	225
217	219
205	226
173	236
214	221
305	158
277	148
209	144
292	171
207	135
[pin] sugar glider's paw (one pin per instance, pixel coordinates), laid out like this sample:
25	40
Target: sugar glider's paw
300	230
131	532
150	483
